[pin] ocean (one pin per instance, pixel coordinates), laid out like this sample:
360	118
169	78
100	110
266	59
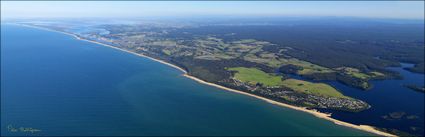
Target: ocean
54	84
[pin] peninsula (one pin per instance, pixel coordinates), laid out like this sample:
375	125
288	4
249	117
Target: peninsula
253	81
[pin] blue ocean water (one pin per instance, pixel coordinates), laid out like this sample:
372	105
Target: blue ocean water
62	86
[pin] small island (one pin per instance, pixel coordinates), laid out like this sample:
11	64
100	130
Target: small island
415	88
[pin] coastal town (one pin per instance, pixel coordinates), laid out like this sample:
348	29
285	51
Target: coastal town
289	96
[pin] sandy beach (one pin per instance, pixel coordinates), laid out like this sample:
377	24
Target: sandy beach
185	74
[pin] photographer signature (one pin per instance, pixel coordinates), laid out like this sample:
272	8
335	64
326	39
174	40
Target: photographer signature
11	128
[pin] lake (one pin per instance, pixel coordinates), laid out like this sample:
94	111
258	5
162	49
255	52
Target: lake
389	96
58	85
386	97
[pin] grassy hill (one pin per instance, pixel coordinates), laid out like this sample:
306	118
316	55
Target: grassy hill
254	76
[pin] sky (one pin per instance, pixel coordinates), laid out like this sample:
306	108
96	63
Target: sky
75	9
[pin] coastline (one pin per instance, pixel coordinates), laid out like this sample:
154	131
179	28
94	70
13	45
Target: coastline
314	112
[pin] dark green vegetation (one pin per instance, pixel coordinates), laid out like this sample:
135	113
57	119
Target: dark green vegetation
351	52
338	46
341	44
366	46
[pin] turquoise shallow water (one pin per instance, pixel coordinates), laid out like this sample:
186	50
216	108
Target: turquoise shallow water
63	86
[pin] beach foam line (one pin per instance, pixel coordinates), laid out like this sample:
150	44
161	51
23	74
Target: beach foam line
314	112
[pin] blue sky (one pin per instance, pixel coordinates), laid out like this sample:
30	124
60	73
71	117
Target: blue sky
374	9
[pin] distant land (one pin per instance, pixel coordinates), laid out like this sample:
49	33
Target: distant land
416	88
288	61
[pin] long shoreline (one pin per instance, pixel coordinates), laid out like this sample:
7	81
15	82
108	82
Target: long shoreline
314	112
